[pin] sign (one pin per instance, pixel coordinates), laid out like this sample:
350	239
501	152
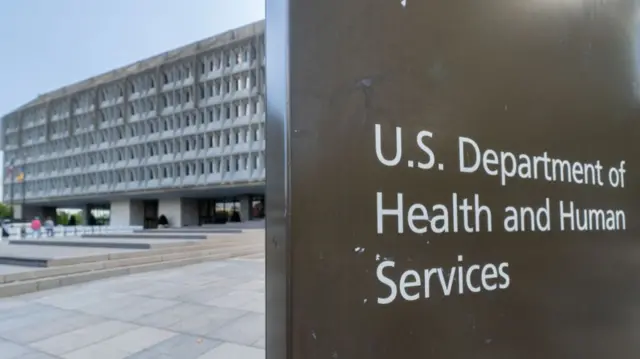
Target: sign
453	179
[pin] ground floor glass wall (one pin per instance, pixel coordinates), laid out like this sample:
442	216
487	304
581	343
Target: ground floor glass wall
224	210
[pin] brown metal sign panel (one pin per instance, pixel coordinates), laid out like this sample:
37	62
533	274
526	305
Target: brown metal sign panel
453	179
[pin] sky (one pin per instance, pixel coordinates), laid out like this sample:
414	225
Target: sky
47	44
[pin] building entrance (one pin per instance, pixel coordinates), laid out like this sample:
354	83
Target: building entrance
218	211
150	214
257	207
231	209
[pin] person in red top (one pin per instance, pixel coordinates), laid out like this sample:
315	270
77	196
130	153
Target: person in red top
36	226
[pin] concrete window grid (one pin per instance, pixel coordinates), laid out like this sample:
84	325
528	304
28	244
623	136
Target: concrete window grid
91	144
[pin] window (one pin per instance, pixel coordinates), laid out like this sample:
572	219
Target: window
187	97
202	92
152	83
203	68
133	87
237	164
165	78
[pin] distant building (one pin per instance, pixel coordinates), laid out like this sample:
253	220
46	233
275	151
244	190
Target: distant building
179	134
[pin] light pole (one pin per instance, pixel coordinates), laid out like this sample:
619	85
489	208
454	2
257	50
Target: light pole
11	179
24	192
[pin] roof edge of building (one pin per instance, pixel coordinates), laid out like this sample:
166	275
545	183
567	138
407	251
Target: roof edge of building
221	39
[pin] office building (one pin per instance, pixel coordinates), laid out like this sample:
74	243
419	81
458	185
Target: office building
180	134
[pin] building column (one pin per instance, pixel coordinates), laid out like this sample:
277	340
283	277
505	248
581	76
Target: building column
245	208
126	213
86	212
180	212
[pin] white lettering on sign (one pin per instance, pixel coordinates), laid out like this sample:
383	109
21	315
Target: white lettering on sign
411	285
398	213
505	165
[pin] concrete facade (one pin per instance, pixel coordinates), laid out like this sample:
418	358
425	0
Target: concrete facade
167	129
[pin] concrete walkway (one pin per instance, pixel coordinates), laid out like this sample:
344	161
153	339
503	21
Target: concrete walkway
214	310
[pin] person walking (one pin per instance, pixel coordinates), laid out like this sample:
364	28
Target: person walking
6	228
49	226
36	226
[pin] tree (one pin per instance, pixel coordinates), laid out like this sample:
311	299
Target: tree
5	211
62	218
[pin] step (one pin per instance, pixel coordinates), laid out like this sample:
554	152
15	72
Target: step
189	230
93	262
28	261
69	275
24	261
122	244
149	236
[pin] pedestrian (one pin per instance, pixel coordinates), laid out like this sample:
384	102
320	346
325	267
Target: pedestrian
36	226
5	228
49	226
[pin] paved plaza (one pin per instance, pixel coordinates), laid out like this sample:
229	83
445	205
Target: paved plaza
213	310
